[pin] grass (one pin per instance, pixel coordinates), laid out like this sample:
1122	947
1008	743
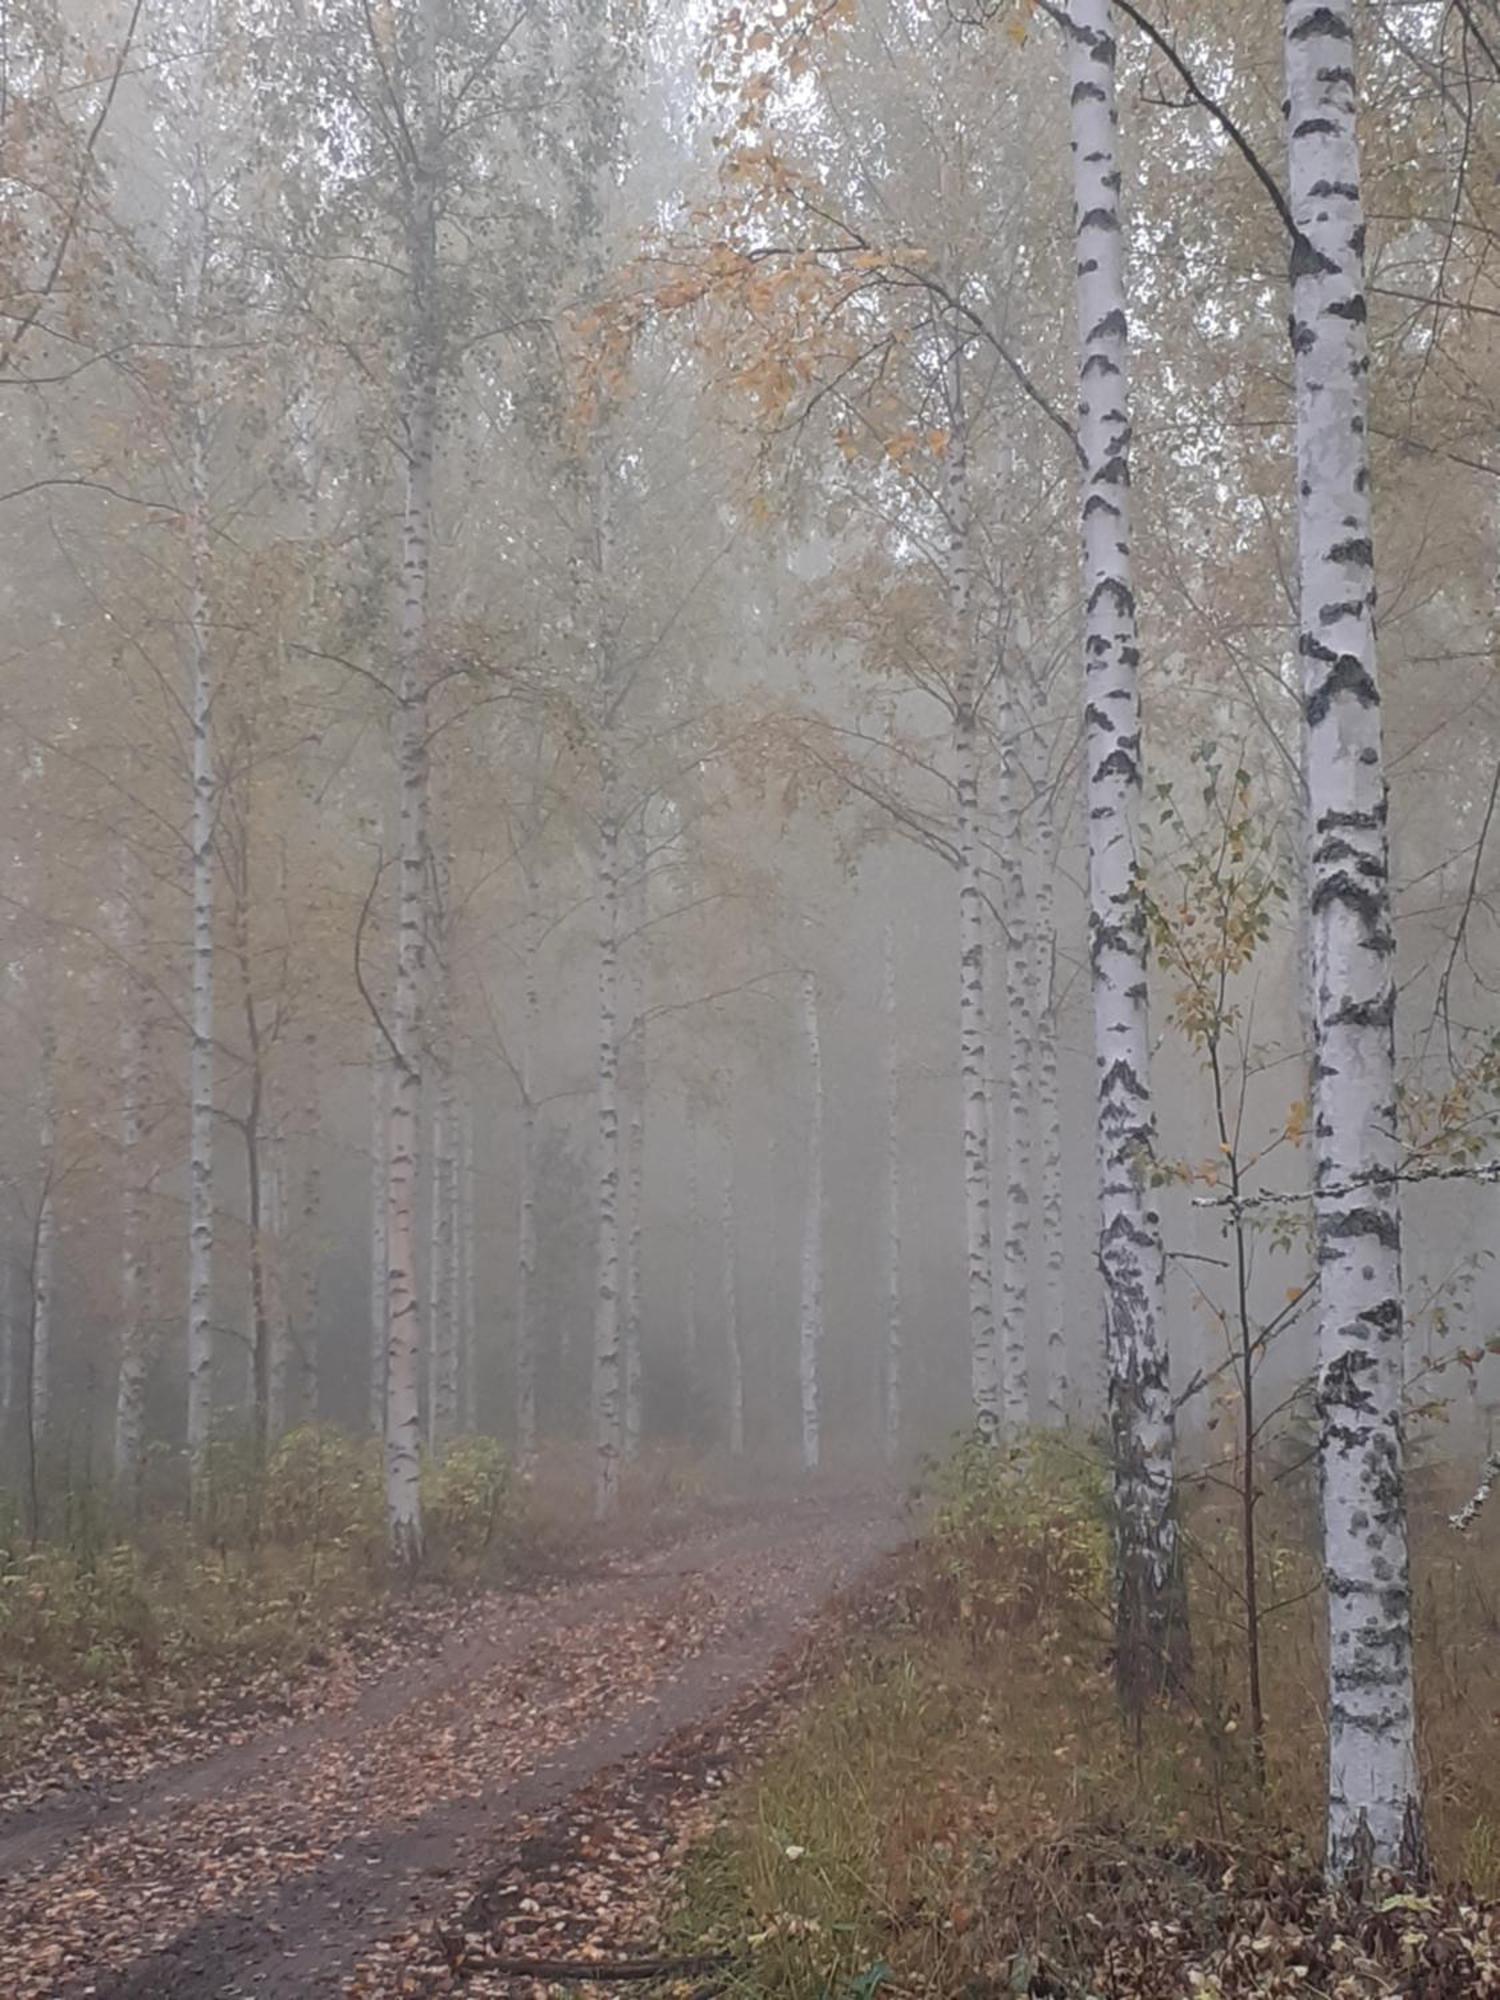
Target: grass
962	1813
286	1564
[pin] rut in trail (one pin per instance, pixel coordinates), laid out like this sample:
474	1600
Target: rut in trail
270	1869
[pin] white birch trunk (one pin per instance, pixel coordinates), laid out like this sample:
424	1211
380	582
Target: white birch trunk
44	1248
733	1352
465	1278
1150	1622
526	1230
9	1338
1015	1325
973	1037
130	1384
1374	1817
279	1372
635	1153
893	1328
810	1342
1049	1123
403	1425
607	1359
379	1116
690	1256
200	1337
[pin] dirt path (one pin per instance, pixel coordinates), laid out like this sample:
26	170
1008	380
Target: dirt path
272	1868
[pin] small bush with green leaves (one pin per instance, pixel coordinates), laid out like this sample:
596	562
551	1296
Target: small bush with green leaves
471	1505
1018	1537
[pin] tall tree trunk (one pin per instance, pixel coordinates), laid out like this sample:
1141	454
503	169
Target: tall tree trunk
279	1370
130	1386
9	1338
1049	1120
733	1352
691	1208
1015	1323
44	1250
1374	1816
200	1335
1151	1623
379	1118
403	1425
891	1398
310	1232
635	1156
465	1278
526	1230
974	1062
607	1369
810	1344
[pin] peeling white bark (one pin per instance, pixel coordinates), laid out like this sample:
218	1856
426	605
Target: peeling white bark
1150	1625
973	1030
1049	1124
810	1340
1015	1320
1374	1816
403	1425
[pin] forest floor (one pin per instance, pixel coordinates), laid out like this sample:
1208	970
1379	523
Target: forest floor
471	1810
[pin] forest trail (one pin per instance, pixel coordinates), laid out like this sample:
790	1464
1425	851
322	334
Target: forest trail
272	1867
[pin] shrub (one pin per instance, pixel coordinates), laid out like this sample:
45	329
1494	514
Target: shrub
471	1505
1018	1538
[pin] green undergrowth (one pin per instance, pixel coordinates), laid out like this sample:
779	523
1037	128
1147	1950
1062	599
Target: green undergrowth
961	1813
287	1561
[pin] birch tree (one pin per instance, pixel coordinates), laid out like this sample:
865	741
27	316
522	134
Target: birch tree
810	1325
891	1398
1374	1814
1150	1612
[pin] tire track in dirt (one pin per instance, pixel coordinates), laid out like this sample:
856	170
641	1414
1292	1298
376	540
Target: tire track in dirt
270	1869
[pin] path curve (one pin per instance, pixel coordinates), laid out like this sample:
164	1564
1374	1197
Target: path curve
268	1869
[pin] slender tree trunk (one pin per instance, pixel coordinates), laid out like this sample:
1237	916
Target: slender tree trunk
810	1345
691	1207
44	1249
526	1231
200	1337
311	1231
1049	1122
465	1280
635	1153
733	1352
893	1329
130	1388
403	1425
1374	1814
635	1174
379	1117
973	1033
279	1371
1151	1623
607	1360
9	1338
1016	1290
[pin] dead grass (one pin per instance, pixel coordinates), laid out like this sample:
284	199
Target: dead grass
963	1814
